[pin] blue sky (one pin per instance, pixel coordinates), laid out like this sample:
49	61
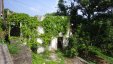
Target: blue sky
31	7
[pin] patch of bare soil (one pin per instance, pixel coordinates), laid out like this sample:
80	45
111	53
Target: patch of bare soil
93	57
98	60
23	57
76	60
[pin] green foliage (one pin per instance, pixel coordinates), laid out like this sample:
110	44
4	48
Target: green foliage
107	58
100	54
37	59
27	24
53	25
1	31
95	33
61	57
95	37
91	63
44	59
71	50
18	17
50	14
62	8
7	12
84	2
13	48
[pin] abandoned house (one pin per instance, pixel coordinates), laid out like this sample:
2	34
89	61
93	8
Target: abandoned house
59	42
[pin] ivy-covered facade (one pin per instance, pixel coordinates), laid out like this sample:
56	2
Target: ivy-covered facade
55	29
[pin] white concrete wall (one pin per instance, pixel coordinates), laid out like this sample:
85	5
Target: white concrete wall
66	38
53	44
69	33
41	18
40	50
40	30
39	40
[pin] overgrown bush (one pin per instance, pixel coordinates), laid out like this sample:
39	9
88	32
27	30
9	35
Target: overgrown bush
44	58
96	33
71	50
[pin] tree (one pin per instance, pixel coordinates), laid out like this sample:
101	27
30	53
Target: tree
93	26
51	14
62	8
6	12
87	7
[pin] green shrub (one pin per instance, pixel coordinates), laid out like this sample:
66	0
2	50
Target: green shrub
44	58
37	59
40	59
98	52
71	50
13	48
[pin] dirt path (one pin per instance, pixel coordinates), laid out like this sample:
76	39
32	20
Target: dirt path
23	57
76	60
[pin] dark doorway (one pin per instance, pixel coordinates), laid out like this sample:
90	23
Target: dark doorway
60	43
15	31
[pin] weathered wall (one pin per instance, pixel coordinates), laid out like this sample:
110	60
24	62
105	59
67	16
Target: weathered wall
53	44
54	40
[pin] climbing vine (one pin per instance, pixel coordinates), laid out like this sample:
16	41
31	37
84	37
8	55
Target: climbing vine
27	24
53	25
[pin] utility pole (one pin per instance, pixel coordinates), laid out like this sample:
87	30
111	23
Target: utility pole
2	16
2	8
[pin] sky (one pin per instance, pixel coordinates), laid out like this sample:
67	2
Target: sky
31	7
